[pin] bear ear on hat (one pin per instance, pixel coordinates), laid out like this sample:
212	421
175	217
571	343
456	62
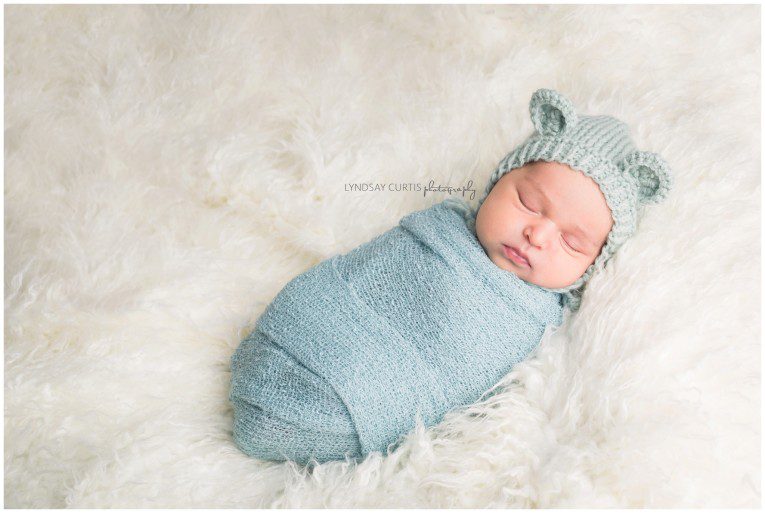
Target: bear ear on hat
551	112
651	173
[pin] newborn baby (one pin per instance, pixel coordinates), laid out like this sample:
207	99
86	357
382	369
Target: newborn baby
429	315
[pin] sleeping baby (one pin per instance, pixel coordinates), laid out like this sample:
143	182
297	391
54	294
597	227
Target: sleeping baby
429	315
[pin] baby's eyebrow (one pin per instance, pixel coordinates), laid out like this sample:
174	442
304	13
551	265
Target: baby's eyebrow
576	228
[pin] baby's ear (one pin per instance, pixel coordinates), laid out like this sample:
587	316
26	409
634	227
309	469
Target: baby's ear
651	173
551	112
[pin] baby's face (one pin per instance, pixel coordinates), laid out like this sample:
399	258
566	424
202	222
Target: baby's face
553	215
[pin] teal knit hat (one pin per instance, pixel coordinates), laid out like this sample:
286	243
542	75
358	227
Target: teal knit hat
601	148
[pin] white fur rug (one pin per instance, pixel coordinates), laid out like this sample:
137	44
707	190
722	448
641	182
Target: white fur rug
170	168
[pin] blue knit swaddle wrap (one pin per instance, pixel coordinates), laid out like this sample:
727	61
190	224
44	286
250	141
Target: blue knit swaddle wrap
415	322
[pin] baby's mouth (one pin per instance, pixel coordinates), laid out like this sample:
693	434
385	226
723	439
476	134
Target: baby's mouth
515	256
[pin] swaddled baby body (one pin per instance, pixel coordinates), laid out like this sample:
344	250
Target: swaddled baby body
429	315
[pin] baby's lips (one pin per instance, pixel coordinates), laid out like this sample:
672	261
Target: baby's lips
510	249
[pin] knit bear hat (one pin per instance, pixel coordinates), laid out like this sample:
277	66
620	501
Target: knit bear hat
601	148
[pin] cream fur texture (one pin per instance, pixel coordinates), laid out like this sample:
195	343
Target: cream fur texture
170	168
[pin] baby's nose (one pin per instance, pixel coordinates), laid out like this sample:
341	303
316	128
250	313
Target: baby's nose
541	233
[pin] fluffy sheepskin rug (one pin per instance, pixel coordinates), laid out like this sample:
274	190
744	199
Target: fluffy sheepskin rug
170	168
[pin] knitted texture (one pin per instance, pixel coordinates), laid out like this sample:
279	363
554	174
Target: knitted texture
409	325
601	148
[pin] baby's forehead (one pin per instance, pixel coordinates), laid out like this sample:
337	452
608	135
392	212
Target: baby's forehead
572	191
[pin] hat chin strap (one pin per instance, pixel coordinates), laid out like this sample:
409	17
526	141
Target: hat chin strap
573	293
